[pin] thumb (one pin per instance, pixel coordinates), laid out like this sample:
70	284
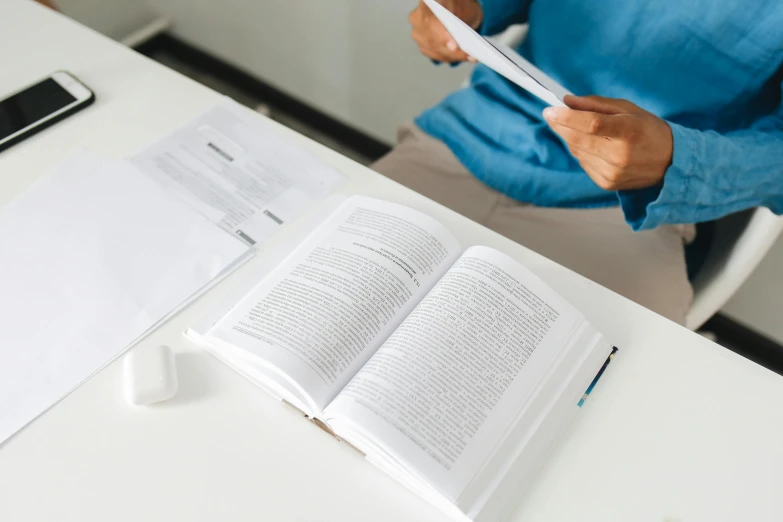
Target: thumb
600	104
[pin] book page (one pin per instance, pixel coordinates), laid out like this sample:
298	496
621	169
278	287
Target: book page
327	308
439	394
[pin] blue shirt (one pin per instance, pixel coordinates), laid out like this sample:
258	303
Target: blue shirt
710	68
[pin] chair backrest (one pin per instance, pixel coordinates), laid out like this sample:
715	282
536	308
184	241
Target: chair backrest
741	242
513	35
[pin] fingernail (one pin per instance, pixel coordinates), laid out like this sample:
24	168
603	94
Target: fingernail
472	60
451	45
550	114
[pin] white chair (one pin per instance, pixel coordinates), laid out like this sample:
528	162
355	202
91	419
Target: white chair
740	243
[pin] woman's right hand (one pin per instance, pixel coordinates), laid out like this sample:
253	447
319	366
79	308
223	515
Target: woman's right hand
433	39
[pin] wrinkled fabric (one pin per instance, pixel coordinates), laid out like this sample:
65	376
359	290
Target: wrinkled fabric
710	68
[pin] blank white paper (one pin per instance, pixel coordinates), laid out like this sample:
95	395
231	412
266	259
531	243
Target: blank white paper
91	257
500	58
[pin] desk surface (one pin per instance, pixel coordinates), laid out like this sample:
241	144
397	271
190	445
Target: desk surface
679	429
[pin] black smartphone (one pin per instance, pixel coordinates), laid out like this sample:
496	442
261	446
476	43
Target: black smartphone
40	105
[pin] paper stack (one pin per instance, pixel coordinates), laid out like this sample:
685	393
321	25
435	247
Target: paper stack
96	254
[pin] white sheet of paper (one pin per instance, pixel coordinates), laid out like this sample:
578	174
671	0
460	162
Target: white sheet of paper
500	58
91	257
234	168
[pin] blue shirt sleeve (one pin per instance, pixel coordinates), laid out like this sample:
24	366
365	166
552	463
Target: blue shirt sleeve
713	175
499	14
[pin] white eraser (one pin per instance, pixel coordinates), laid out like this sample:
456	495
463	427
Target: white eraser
150	374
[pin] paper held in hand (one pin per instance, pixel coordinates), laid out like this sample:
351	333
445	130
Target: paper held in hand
500	58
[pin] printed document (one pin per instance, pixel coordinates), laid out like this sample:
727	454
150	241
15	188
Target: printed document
231	166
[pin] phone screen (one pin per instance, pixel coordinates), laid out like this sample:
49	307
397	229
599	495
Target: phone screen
34	103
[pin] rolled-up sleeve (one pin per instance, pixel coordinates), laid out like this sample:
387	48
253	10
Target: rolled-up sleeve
713	175
499	14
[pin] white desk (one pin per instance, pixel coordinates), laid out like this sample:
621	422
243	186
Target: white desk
678	429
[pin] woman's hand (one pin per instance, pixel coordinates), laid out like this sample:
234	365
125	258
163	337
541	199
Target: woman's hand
433	39
620	145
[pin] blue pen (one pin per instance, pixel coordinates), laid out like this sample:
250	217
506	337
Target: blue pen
600	372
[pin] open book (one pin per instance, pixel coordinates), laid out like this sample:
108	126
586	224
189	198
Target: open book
454	371
500	58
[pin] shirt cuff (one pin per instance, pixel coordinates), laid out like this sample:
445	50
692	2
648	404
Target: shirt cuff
451	64
653	206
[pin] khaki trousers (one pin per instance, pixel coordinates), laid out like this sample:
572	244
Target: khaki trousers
647	267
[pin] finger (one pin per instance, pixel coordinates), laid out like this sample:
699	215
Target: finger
595	145
602	173
439	36
601	104
588	122
430	50
608	175
618	153
455	56
442	55
416	17
434	48
438	54
420	32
